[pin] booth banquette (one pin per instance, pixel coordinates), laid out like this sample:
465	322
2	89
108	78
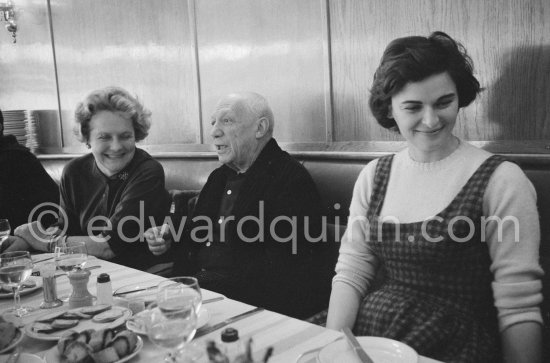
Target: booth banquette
335	174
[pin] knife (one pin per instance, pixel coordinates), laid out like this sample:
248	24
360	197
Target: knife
354	344
210	329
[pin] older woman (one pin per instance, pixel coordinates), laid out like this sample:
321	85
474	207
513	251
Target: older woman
454	227
111	195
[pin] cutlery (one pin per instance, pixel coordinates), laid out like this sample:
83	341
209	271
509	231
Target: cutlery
122	293
45	259
217	298
85	268
37	273
354	344
228	321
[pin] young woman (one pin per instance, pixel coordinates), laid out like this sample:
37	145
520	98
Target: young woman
453	228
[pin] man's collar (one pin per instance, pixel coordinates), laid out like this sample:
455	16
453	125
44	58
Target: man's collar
270	149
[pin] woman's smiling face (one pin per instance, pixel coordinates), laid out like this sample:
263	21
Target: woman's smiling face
426	113
112	140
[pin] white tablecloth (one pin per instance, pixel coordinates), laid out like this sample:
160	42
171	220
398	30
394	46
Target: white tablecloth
289	337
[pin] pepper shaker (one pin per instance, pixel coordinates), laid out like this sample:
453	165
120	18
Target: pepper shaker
80	296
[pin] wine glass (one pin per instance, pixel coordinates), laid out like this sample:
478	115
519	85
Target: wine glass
184	285
71	256
5	230
16	267
173	322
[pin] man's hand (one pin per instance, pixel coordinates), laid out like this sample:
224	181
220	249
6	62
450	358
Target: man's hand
158	239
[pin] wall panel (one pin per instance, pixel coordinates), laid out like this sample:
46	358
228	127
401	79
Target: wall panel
27	69
274	47
144	46
508	40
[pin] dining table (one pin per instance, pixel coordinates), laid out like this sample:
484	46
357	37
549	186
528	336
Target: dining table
290	338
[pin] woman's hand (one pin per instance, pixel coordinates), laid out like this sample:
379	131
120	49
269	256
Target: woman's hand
14	243
35	236
158	239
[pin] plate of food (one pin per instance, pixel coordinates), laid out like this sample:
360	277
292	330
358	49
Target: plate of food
10	336
99	346
137	322
23	358
29	285
381	350
52	326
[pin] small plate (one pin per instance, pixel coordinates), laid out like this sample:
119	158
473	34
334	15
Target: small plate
381	350
24	290
23	358
52	355
82	325
136	323
16	340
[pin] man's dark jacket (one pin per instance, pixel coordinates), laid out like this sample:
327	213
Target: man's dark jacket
264	273
24	184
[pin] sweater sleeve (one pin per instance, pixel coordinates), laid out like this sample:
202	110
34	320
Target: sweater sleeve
357	264
513	236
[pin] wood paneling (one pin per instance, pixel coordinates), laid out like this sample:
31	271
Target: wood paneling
144	46
27	68
273	47
509	42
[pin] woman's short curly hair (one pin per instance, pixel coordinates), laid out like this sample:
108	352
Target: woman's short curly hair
114	99
415	58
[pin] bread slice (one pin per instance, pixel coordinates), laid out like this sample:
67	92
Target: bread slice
64	323
108	316
94	310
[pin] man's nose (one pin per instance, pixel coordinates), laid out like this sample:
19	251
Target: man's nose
215	131
430	117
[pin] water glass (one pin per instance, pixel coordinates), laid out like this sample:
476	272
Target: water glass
173	322
16	267
180	286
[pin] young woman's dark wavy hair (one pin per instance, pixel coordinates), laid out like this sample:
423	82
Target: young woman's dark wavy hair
415	58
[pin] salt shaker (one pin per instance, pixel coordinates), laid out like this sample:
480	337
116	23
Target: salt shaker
231	344
49	287
80	296
104	289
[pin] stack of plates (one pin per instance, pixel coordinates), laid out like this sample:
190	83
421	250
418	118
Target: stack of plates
23	125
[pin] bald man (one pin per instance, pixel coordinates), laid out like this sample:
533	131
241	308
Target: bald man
246	238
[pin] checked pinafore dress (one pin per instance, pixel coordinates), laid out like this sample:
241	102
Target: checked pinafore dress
435	296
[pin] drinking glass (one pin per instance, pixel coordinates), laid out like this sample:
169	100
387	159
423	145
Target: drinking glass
71	256
16	267
5	230
173	322
181	285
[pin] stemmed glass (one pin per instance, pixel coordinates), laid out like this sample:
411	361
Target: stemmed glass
187	284
69	257
173	322
5	230
16	267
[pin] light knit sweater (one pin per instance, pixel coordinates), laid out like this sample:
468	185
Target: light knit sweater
417	191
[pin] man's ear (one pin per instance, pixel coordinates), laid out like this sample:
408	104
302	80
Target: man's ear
262	128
